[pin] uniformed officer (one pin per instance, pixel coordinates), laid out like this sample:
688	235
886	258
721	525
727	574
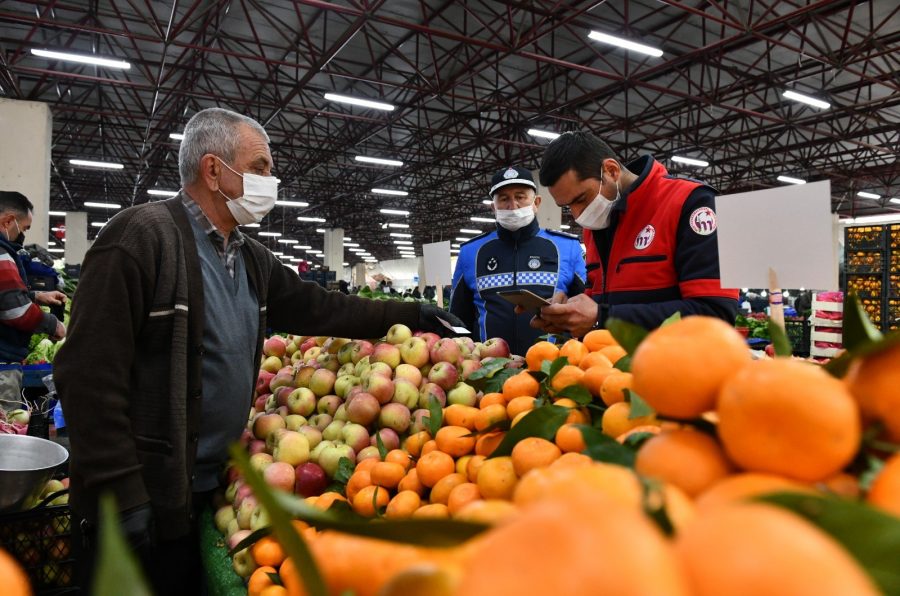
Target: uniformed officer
518	254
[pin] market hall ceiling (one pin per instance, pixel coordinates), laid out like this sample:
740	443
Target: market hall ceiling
468	80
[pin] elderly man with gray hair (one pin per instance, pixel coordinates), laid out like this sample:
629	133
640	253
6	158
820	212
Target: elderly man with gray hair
158	371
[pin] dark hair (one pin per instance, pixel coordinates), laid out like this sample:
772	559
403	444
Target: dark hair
579	151
16	202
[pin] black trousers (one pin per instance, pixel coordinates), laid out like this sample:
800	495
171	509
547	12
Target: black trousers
171	567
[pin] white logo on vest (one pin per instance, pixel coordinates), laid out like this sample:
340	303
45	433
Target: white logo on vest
492	264
534	262
645	237
703	221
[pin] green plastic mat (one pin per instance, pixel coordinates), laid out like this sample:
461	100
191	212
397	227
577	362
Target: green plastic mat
221	580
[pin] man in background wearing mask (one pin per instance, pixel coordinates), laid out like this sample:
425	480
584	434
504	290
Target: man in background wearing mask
158	373
20	312
650	239
517	255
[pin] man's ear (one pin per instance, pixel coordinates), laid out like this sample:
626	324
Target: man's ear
493	207
611	168
210	170
537	202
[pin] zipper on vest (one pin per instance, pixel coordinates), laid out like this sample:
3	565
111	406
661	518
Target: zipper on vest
639	259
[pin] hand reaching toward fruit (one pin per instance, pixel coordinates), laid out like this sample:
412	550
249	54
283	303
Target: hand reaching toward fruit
53	298
428	320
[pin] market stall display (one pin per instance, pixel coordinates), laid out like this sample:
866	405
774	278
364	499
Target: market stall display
563	453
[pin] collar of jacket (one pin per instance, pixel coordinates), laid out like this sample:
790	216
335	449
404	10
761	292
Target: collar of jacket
519	235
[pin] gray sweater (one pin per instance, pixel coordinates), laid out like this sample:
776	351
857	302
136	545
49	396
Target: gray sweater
129	375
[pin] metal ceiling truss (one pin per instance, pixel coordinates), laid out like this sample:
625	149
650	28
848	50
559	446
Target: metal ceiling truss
468	80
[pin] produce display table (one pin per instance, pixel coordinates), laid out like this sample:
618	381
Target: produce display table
221	580
33	374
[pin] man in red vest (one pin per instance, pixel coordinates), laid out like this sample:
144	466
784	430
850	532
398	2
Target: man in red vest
650	239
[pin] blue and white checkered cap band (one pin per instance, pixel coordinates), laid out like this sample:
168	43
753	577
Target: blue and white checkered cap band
500	280
539	278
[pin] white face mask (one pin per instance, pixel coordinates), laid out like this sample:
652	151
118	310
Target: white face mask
514	219
596	215
260	193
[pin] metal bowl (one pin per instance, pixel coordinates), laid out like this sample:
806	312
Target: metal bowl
26	464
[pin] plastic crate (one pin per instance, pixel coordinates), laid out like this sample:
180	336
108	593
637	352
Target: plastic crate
863	237
798	334
33	374
41	540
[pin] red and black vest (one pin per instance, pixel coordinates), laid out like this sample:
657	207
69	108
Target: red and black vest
642	258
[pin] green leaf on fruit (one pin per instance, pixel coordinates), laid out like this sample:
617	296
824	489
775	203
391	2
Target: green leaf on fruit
435	416
541	422
489	369
556	366
627	334
576	393
382	450
873	467
250	540
639	408
116	566
672	319
439	533
601	447
344	471
780	341
597	411
493	382
635	440
501	425
623	363
545	369
275	579
858	330
293	543
654	504
871	536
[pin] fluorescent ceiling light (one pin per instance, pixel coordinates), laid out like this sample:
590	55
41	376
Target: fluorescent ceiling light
895	200
399	235
483	219
812	101
791	180
689	161
292	203
176	136
98	224
395	212
288	241
403	242
272	234
487	202
278	254
351	244
468	231
544	134
162	193
320	230
564	227
81	58
868	195
389	191
315	219
346	239
346	264
356	250
406	256
57	213
624	43
872	219
55	229
399	225
301	247
454	251
463	238
366	103
104	165
56	250
253	225
102	205
379	161
455	245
